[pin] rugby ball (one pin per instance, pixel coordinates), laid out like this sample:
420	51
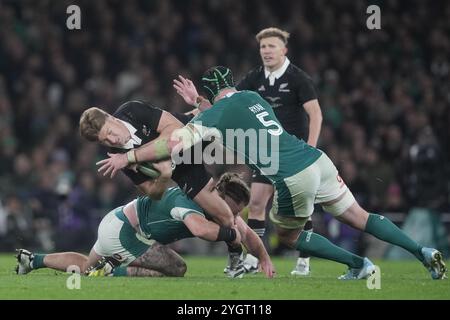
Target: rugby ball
148	169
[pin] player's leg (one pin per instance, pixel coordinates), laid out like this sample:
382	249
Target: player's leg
142	272
117	244
260	193
161	259
293	205
302	267
338	200
209	199
288	231
126	253
28	261
60	261
382	228
157	261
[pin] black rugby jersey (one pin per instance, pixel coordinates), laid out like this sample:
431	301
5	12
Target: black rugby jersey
191	178
286	96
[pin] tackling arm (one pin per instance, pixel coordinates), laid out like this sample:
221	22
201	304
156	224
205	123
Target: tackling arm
155	188
156	150
162	147
210	231
209	199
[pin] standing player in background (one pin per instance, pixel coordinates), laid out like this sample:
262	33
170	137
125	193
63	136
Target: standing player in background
290	92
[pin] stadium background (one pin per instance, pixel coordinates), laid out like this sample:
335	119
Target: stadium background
385	97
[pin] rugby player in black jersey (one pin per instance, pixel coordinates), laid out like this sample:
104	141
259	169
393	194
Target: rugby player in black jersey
136	123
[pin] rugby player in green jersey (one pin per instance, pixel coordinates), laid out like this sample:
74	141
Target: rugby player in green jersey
301	174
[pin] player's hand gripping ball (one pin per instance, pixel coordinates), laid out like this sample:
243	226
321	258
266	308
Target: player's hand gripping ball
148	169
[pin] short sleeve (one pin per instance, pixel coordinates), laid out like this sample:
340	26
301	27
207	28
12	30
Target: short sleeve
305	88
180	213
248	82
140	112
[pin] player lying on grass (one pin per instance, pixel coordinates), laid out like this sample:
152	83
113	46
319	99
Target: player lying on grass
126	235
301	174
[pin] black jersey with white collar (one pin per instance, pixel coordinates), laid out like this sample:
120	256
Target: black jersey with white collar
144	117
286	96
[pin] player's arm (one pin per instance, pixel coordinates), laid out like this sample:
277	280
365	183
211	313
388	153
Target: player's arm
307	97
207	230
209	199
187	90
255	246
155	188
314	112
162	147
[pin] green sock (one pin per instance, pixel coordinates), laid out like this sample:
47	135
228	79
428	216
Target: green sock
318	246
38	261
383	228
120	272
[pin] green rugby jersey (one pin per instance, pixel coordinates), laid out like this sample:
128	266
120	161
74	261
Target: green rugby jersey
162	220
248	125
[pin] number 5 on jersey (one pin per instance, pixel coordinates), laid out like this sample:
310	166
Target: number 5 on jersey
267	123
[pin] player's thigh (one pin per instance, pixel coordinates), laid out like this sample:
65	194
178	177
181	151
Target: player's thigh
159	257
117	239
295	195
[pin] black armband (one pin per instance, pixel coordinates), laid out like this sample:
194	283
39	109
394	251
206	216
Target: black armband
226	234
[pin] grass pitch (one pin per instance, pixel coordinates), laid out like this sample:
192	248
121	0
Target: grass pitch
205	280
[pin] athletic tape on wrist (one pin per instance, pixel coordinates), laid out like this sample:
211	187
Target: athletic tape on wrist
131	156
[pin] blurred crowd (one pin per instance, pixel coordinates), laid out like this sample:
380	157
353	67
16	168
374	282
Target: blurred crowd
385	96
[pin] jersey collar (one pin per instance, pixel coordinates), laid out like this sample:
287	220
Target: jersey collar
134	140
280	71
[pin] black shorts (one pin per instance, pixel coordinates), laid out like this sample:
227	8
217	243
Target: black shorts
191	178
257	177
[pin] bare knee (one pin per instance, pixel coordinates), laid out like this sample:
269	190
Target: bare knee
288	237
354	216
170	262
180	269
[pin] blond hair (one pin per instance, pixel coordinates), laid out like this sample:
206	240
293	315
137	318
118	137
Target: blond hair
91	122
273	32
